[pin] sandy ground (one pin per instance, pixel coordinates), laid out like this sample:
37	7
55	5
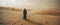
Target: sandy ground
10	17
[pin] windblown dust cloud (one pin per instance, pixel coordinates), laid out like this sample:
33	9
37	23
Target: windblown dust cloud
39	12
12	16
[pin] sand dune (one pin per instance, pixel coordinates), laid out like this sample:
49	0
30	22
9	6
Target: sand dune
38	17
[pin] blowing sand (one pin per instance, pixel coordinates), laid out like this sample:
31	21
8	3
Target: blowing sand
34	17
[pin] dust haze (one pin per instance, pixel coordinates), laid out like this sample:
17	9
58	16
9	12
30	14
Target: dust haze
13	16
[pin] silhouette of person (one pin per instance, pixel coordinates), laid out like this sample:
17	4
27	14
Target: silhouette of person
24	14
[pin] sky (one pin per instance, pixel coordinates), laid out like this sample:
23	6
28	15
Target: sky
33	4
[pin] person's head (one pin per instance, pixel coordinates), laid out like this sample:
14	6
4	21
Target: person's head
24	8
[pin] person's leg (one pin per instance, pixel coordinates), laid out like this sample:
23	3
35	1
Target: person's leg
24	17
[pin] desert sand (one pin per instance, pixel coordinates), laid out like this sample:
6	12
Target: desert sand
34	17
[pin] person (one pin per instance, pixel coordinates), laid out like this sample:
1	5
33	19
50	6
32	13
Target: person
24	14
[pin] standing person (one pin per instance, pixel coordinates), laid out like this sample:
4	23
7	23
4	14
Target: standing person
24	14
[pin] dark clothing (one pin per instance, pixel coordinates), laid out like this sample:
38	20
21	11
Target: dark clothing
24	14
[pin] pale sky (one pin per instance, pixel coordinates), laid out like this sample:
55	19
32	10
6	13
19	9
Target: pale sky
29	3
